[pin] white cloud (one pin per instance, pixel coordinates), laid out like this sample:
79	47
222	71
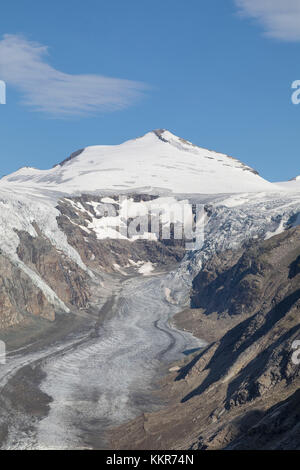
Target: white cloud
280	18
23	65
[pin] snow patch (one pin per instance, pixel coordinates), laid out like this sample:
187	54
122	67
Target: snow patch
146	268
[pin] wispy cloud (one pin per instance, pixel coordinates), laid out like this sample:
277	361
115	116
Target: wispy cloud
280	18
23	65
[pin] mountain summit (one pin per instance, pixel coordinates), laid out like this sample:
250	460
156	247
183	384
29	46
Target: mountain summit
159	160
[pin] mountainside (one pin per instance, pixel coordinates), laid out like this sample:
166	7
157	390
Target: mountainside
242	390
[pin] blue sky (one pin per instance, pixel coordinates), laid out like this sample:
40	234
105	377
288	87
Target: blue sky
218	73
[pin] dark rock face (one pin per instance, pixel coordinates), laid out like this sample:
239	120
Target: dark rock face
242	391
277	428
64	277
19	296
71	157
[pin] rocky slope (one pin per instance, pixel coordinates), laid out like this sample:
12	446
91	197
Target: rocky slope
43	276
19	297
242	390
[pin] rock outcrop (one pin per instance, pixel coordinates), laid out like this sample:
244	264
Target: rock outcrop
65	278
19	297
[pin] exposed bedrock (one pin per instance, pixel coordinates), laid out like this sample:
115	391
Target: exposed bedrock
19	296
65	278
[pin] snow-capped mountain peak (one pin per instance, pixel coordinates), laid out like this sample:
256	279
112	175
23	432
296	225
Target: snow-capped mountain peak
159	161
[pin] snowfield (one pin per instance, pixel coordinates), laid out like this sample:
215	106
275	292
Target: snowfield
292	185
157	161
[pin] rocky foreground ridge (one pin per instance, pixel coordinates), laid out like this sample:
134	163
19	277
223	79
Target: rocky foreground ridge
242	390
